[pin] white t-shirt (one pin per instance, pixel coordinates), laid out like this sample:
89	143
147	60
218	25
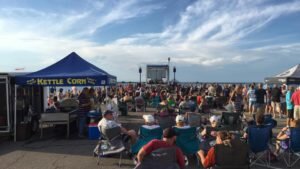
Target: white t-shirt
251	95
107	124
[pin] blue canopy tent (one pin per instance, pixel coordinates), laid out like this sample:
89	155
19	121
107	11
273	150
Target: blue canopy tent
70	71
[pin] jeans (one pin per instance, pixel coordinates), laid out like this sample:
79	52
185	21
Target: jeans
81	124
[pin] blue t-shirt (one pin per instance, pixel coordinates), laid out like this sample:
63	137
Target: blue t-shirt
289	104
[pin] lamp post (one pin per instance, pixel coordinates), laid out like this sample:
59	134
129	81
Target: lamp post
169	70
174	71
140	71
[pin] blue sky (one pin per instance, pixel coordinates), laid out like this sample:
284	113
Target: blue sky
207	40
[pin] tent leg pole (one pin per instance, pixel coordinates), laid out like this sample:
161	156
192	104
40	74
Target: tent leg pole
15	115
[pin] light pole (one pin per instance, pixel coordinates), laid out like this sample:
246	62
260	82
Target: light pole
169	70
174	71
140	71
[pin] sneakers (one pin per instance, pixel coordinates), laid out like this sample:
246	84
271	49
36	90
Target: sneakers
135	161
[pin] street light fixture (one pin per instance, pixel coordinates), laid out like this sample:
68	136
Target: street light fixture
140	71
174	71
169	70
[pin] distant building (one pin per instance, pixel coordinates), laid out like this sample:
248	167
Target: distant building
157	74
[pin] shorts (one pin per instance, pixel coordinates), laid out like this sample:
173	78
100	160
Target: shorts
276	106
252	103
297	112
290	113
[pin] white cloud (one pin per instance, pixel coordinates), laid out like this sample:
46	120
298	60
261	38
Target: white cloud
205	34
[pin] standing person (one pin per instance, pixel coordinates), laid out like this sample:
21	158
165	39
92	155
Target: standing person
275	98
60	94
245	96
260	94
268	109
289	105
84	108
283	100
296	102
252	99
237	99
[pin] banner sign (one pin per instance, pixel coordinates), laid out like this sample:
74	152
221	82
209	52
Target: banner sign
62	82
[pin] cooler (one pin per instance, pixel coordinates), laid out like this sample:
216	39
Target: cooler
94	133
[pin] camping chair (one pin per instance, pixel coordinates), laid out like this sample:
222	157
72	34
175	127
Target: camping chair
146	135
258	140
187	140
292	154
112	143
155	101
235	157
165	121
231	121
194	119
123	107
268	120
163	158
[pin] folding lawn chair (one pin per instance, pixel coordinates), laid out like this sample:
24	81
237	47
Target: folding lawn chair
146	135
234	157
292	154
112	143
187	140
163	158
258	140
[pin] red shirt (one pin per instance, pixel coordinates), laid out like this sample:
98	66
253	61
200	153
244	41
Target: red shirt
210	158
296	98
156	144
199	100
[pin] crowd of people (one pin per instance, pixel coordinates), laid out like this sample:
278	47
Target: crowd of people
177	100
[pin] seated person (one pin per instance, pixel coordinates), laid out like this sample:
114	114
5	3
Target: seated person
127	98
171	101
237	155
149	122
180	122
185	105
139	100
210	131
284	135
108	122
169	138
55	104
259	119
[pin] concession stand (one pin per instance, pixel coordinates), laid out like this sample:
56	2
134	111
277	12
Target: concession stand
70	71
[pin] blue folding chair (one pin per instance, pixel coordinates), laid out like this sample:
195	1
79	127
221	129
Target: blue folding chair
187	140
146	135
293	151
258	139
268	120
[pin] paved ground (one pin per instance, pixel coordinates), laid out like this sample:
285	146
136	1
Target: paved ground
56	152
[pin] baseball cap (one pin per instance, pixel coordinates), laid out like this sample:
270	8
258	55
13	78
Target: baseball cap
179	118
148	118
214	118
169	133
108	112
